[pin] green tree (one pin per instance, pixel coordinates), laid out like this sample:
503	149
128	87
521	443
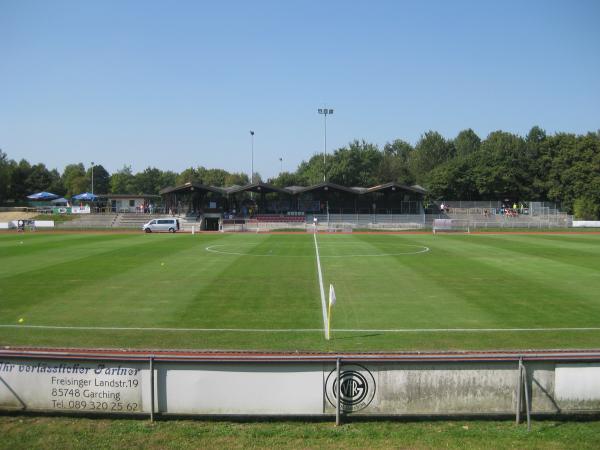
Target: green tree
586	208
167	179
101	179
123	182
575	170
5	176
236	178
502	169
356	165
466	143
395	163
453	180
212	177
147	181
19	175
431	151
189	175
312	171
56	183
285	179
74	179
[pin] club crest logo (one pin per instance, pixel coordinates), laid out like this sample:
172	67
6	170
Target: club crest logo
357	387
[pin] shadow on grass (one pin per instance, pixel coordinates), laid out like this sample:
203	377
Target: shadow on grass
345	338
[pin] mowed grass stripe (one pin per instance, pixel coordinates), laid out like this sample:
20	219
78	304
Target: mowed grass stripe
358	280
394	291
576	252
455	288
39	254
120	286
543	289
520	289
261	292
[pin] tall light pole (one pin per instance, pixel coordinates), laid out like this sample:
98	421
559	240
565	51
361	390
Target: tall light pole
325	112
281	165
252	146
92	177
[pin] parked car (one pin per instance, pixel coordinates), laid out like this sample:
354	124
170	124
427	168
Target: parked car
170	225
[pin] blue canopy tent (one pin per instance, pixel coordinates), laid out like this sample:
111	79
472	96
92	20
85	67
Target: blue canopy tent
43	196
86	197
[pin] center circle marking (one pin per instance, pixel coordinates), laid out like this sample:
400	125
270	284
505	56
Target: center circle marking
235	251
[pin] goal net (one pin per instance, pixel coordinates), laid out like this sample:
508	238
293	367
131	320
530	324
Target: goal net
339	228
237	225
450	226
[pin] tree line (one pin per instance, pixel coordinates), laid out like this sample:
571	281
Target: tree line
563	168
19	179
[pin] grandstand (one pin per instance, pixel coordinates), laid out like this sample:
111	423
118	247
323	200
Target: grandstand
492	214
261	207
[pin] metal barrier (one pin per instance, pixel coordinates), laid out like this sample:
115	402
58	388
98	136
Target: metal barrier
346	385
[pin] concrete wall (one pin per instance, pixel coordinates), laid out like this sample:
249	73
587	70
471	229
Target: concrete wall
586	223
297	387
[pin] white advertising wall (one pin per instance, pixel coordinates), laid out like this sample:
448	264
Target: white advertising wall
294	388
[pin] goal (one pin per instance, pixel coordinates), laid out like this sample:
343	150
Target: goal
340	227
450	226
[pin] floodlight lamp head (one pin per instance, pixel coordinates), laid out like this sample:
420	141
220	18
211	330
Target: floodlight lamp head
331	111
320	111
252	132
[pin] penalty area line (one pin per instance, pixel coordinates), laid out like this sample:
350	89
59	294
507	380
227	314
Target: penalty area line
302	330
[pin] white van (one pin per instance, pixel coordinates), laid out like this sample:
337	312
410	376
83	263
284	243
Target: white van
168	224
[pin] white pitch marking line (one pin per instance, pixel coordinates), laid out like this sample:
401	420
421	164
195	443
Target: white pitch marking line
302	330
212	249
324	306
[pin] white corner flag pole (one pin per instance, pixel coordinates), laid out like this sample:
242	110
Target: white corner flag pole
331	303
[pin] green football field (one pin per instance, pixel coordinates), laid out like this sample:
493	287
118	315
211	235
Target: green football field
263	291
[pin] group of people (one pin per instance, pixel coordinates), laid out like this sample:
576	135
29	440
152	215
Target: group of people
145	208
507	210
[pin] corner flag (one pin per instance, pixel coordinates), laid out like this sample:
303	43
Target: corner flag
331	303
331	295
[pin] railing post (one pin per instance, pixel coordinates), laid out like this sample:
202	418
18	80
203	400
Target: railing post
338	416
527	400
519	392
151	388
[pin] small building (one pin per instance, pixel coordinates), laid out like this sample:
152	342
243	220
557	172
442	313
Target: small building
130	203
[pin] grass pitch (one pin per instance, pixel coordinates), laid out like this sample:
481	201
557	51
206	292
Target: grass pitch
247	291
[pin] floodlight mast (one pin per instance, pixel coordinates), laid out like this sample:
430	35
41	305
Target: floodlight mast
92	177
325	112
252	146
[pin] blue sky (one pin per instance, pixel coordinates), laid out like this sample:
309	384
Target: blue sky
180	84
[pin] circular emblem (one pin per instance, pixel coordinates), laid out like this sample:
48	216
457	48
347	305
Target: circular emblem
357	387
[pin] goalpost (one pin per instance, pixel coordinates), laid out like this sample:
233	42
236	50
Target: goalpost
450	226
339	227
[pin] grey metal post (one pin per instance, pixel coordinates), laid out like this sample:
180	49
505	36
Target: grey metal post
519	392
527	402
92	177
151	388
325	152
252	166
338	418
325	112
